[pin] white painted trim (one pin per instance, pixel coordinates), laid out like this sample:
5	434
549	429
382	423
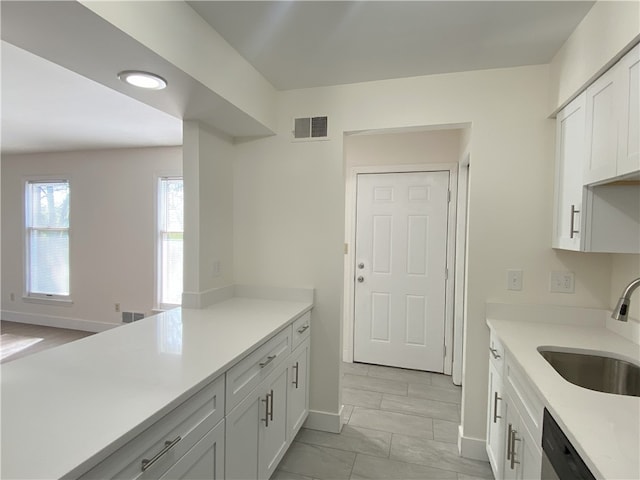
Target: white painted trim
350	238
324	421
460	270
57	322
469	447
208	297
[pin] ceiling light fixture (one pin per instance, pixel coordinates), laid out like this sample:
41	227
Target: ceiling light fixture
140	79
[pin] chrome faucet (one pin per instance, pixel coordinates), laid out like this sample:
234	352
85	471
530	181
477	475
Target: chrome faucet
622	308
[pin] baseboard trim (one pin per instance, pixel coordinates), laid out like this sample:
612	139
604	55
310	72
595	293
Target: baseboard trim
324	421
470	447
57	322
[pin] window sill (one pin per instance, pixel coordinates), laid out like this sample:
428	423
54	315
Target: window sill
62	302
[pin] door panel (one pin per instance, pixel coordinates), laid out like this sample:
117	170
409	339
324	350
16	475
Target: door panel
401	250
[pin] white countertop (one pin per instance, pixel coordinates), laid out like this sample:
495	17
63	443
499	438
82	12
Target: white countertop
66	409
604	428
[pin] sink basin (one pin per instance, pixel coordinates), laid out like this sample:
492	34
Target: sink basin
595	371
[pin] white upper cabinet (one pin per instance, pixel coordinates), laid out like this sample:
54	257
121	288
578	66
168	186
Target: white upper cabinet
612	108
570	128
597	145
629	156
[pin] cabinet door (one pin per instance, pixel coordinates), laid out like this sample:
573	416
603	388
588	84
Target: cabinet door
298	396
629	71
495	422
241	441
522	459
204	460
570	137
602	129
272	442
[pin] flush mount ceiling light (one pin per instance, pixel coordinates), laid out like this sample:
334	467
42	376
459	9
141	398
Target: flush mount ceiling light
140	79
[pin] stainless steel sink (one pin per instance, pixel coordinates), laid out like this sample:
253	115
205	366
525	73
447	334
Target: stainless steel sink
595	371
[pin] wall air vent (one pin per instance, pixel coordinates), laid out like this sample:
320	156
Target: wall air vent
310	128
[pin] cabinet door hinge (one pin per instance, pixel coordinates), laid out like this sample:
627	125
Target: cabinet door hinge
448	196
445	352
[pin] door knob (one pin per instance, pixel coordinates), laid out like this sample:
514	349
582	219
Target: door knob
361	265
360	279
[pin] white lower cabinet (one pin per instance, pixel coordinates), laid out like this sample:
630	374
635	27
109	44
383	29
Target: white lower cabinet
204	461
298	395
514	419
262	426
522	458
495	421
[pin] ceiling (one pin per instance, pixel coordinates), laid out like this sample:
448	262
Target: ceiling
294	44
317	43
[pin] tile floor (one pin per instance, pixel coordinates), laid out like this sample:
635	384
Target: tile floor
400	425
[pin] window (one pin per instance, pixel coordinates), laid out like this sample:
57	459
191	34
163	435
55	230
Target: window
47	239
170	241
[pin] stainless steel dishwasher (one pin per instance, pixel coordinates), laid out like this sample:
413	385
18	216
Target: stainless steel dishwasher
560	461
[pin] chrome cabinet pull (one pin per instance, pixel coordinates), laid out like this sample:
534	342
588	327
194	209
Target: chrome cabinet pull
268	361
271	410
295	382
266	410
303	329
494	352
361	265
495	407
509	442
572	229
168	445
513	449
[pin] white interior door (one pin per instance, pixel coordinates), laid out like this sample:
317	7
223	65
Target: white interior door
401	258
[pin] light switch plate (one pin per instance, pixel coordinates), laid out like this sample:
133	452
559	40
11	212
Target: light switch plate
514	279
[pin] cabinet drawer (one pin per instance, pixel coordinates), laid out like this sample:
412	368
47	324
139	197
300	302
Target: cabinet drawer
525	400
301	329
245	375
181	428
496	353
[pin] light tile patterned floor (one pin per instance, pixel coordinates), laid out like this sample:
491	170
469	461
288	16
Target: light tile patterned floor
401	425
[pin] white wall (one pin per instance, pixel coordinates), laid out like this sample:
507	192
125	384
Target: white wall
208	176
625	268
434	146
289	205
112	235
604	33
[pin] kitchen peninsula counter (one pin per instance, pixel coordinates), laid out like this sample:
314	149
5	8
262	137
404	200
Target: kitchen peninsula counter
66	409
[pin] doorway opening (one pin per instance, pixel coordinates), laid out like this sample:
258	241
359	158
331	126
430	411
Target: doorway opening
415	319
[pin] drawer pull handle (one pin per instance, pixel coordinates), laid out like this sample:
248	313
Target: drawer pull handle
495	407
303	329
572	228
271	409
513	449
168	445
494	352
269	359
295	382
266	410
509	442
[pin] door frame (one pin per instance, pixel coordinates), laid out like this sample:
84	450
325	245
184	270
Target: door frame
350	241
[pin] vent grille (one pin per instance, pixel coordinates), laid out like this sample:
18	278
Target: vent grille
310	128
